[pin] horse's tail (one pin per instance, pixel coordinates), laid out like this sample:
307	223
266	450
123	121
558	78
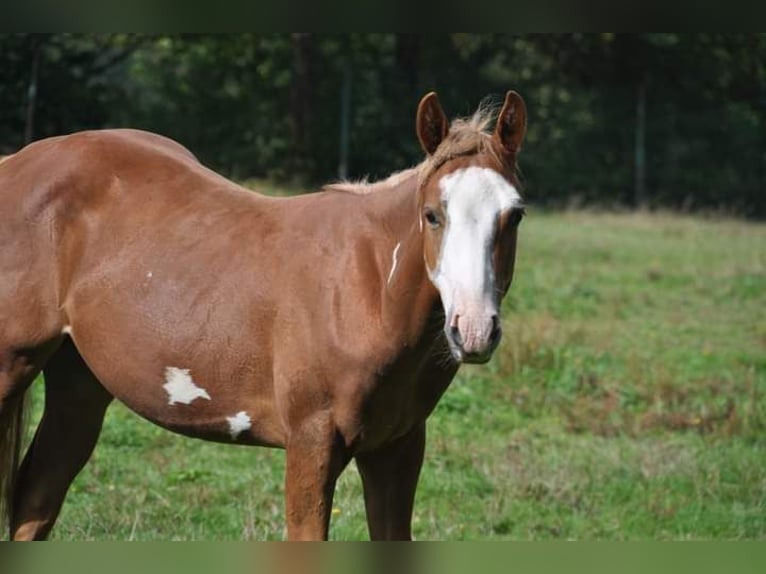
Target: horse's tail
12	430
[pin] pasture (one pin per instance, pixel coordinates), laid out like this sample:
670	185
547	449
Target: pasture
626	401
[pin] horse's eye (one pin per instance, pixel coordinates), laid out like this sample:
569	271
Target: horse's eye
431	217
514	218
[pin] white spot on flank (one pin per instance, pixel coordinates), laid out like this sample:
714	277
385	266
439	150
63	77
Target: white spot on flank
149	275
67	330
181	388
238	424
394	261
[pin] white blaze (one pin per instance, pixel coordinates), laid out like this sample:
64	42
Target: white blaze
474	198
238	424
181	387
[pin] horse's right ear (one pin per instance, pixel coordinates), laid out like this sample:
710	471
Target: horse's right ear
431	123
511	124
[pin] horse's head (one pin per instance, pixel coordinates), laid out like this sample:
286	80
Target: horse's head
470	210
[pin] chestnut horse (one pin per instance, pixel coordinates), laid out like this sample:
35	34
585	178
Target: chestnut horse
327	324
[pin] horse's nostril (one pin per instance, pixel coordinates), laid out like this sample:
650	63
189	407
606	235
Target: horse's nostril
497	331
456	338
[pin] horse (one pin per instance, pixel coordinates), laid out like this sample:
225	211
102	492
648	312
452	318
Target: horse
327	324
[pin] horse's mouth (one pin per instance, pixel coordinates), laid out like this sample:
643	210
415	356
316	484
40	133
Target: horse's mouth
461	357
473	358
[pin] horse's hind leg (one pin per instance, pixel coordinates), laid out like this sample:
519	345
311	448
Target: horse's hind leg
75	403
19	366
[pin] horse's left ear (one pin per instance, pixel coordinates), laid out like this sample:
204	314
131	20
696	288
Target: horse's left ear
431	123
511	123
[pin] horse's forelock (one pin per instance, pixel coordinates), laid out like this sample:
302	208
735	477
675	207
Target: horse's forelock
466	136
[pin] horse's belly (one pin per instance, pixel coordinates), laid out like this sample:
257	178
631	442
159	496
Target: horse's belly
196	405
192	399
181	344
197	382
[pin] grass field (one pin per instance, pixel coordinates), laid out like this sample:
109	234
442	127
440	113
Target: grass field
627	401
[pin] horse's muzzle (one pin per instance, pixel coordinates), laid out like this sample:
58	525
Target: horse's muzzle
473	340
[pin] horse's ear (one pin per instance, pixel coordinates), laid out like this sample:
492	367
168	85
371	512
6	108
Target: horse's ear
431	123
511	123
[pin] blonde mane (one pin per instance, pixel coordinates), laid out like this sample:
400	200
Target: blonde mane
363	186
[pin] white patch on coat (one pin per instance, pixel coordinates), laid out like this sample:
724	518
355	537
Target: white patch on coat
475	197
67	330
181	387
149	275
238	424
394	261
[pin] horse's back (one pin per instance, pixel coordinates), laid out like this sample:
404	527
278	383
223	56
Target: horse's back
55	172
81	204
53	189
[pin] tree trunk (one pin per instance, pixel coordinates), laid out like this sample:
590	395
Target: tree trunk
407	59
640	146
29	128
302	101
345	121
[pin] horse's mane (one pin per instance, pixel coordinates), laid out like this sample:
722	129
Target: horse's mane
466	136
363	186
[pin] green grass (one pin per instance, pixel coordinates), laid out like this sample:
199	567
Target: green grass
627	401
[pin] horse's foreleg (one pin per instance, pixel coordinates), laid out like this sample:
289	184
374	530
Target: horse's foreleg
75	403
390	477
315	458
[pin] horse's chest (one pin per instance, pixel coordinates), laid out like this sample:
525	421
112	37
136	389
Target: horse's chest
396	404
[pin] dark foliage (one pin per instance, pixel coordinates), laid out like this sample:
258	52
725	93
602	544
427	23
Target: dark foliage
270	105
